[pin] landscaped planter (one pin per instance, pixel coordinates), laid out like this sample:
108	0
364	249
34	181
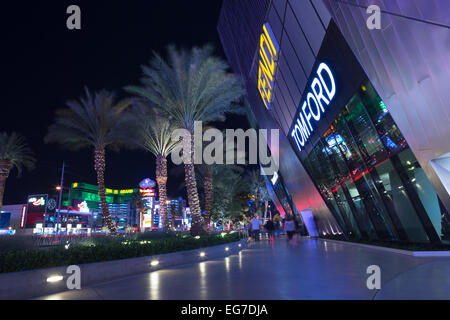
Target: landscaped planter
34	283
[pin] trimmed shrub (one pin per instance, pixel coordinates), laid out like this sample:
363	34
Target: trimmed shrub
105	249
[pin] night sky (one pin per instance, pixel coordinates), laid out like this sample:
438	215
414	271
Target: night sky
43	64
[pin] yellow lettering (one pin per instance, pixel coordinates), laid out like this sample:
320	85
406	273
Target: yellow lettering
266	71
263	53
274	52
261	88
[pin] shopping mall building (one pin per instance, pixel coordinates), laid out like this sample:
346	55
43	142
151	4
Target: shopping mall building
364	115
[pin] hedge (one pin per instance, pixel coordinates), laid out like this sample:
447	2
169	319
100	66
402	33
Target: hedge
22	260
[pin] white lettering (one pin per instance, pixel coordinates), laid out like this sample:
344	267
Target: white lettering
301	132
319	95
331	92
313	98
307	116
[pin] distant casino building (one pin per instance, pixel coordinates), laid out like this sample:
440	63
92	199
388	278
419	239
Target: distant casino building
363	114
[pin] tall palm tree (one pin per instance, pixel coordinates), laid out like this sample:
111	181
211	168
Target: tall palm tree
95	121
190	86
14	152
154	135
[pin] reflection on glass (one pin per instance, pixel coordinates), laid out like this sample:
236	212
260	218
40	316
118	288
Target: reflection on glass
390	182
390	135
422	186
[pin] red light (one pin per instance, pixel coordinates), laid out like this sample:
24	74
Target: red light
22	218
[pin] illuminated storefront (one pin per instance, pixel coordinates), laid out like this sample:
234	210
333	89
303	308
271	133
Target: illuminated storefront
148	216
84	198
348	152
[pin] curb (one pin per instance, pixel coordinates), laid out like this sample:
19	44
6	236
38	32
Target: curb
421	254
34	283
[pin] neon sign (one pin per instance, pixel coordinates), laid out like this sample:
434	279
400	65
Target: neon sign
83	207
147	192
268	56
37	202
321	94
22	218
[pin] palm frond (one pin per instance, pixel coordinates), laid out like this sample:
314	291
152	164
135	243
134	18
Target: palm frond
93	120
189	86
13	148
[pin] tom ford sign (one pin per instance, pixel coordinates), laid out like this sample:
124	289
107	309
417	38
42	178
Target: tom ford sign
268	56
314	105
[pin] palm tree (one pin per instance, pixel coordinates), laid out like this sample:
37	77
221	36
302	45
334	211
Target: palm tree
214	174
154	135
14	152
95	121
229	188
258	186
190	86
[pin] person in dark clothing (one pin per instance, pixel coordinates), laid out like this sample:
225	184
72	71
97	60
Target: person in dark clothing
289	227
270	227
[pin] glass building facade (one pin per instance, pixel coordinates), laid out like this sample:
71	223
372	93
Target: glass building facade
364	171
370	179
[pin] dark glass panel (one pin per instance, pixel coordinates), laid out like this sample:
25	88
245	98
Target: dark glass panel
313	167
393	191
372	203
418	181
391	136
331	150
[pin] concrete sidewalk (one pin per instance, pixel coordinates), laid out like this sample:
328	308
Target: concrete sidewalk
310	269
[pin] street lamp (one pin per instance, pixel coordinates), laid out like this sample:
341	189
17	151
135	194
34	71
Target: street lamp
58	188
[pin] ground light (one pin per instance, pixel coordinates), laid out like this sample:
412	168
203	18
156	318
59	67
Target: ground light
53	279
154	263
202	254
227	249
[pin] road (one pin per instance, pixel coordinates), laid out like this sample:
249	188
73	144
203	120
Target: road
310	269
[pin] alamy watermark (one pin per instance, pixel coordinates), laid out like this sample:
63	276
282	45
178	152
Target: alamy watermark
227	149
74	280
73	22
374	20
374	280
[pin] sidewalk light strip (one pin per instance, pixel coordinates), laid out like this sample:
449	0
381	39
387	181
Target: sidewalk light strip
53	279
154	263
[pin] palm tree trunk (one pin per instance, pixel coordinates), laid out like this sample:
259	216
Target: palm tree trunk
258	203
197	227
161	179
208	195
5	168
99	164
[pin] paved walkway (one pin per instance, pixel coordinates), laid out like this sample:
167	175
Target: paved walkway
311	269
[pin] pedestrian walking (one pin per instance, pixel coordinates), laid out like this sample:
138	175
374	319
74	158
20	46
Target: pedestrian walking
289	227
256	223
249	229
270	227
277	224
